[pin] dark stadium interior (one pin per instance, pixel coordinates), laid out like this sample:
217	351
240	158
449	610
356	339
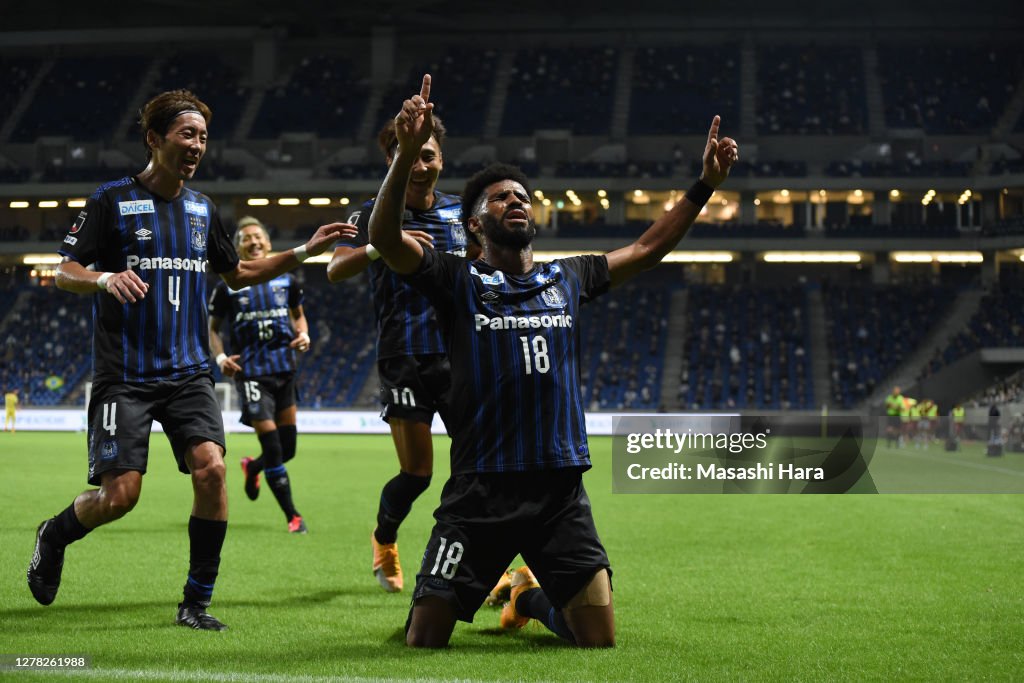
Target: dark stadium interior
872	234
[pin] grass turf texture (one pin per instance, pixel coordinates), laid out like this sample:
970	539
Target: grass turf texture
707	587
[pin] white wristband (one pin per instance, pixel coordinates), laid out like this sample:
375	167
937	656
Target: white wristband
300	253
101	281
221	357
372	253
304	337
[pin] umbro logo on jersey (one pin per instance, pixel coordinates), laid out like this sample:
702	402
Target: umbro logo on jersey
490	296
144	234
136	207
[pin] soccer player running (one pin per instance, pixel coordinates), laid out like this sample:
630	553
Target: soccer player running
519	442
267	326
411	363
150	240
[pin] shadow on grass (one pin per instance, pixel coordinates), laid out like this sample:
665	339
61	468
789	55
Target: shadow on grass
533	637
61	611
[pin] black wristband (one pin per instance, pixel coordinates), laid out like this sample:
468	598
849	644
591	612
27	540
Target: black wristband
699	193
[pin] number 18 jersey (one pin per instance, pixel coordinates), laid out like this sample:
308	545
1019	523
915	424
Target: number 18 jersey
513	343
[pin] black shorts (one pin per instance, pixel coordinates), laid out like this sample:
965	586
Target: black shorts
263	397
121	416
485	520
894	421
415	387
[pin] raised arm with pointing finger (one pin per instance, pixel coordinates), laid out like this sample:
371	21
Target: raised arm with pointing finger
519	441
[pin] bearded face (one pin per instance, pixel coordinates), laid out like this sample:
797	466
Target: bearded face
515	232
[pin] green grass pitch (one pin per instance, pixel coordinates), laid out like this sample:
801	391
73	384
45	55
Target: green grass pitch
922	587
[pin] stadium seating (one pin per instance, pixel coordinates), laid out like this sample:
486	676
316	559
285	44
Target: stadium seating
561	88
811	90
746	347
917	82
623	338
322	94
344	332
676	90
45	344
872	329
83	97
998	322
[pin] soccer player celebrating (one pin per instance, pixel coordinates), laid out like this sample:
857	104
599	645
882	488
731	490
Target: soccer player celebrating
150	240
414	372
267	326
519	441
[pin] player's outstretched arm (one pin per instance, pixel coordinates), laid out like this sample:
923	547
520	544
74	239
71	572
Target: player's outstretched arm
126	286
350	261
413	126
257	271
663	236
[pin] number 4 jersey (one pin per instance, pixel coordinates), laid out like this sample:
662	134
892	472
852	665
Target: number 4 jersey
168	244
513	342
259	323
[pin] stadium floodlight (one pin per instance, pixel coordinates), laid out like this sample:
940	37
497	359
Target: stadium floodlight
48	204
959	257
288	201
344	201
811	257
41	259
76	203
17	204
937	257
257	201
319	201
894	194
672	257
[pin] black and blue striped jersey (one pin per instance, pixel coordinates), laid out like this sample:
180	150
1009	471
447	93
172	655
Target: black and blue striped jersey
259	323
513	342
406	324
168	244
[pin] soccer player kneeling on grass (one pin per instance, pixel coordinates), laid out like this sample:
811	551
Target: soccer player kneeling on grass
519	444
151	240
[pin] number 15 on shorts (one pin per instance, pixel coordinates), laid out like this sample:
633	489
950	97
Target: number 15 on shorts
448	564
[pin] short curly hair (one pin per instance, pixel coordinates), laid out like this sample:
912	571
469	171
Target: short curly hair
473	193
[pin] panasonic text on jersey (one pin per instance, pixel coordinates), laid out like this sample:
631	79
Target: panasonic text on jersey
521	322
166	263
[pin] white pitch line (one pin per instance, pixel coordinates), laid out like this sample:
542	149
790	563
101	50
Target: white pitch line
230	676
946	461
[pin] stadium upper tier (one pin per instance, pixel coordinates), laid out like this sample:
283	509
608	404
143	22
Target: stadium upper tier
607	97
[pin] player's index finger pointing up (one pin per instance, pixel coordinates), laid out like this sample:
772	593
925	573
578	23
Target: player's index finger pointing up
713	132
425	88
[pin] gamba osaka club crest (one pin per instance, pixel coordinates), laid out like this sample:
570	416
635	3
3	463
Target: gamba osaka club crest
553	297
280	296
197	213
